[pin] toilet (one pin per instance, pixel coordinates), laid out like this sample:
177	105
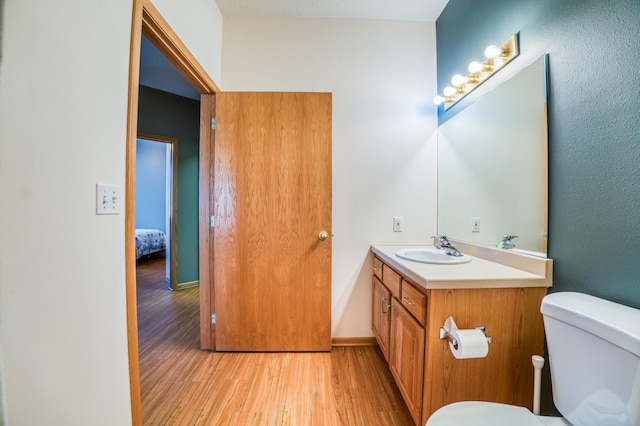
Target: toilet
594	357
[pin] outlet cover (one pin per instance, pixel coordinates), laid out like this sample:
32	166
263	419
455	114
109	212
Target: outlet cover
475	224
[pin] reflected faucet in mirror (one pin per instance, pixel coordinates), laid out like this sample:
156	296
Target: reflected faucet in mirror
506	242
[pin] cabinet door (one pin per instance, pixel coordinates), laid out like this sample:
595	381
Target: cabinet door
406	357
381	315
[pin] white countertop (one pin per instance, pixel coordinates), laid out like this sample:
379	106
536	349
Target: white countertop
479	273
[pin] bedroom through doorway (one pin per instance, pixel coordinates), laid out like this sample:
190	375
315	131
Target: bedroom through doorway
156	203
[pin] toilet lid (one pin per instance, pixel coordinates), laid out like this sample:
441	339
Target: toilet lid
477	413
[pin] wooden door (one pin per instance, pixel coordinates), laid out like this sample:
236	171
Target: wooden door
272	199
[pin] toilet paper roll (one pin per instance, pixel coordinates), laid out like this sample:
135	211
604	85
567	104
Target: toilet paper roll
471	344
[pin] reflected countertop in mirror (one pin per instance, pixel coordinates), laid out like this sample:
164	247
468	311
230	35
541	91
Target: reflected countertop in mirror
492	165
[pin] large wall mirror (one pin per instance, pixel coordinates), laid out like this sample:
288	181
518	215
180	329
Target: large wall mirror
492	165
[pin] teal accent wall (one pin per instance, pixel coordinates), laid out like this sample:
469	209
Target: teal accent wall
165	114
151	185
594	125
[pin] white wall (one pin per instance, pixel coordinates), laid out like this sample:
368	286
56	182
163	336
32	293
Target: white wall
198	23
63	111
382	76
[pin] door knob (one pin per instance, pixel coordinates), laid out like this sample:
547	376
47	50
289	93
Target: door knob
323	235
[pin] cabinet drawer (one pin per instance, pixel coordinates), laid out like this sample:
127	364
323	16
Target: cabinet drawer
414	301
377	267
391	279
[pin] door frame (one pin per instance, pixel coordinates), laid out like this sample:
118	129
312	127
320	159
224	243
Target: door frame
147	20
171	204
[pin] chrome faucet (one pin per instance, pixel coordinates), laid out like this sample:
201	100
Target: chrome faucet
506	242
446	246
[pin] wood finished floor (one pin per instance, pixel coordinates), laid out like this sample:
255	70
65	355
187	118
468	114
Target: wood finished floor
182	385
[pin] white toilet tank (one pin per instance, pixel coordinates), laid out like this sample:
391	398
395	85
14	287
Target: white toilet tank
594	356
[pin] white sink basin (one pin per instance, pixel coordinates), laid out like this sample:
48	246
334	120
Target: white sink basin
431	255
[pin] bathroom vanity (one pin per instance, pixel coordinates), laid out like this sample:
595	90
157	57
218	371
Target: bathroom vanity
497	289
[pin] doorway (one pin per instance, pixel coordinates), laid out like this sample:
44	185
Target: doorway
148	21
156	200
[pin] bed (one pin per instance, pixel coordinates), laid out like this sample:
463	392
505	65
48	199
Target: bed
150	241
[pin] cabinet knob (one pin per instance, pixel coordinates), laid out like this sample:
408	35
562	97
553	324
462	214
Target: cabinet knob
323	235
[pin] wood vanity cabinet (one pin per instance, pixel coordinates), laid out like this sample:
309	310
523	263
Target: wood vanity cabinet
398	325
406	321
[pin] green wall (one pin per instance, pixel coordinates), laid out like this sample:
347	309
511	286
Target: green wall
594	125
165	114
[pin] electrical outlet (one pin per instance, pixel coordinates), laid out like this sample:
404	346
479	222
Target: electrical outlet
397	224
475	224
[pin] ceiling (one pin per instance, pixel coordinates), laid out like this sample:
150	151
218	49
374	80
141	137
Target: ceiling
402	10
157	72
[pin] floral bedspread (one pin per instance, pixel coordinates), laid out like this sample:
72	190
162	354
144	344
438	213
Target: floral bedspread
149	241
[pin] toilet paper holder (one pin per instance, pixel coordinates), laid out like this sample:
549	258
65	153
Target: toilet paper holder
444	334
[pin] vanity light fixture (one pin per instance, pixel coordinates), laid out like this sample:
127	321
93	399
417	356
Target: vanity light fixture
496	58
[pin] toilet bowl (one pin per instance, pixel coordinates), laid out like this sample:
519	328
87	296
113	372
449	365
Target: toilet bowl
479	413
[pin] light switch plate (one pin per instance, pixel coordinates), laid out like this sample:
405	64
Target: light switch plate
108	199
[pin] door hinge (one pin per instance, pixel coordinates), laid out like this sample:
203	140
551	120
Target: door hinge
213	319
213	124
212	221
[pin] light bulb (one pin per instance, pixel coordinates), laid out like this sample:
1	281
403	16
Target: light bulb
492	51
438	100
475	67
449	91
459	80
